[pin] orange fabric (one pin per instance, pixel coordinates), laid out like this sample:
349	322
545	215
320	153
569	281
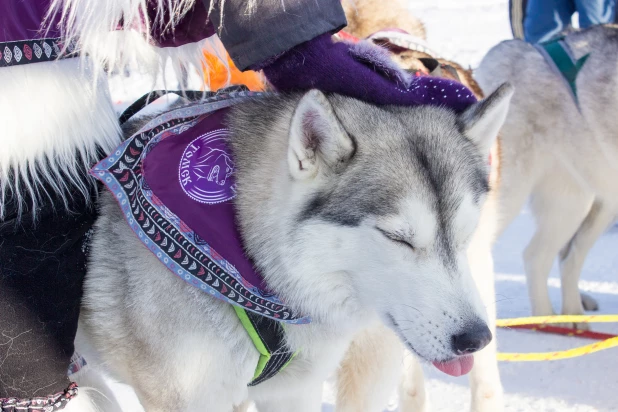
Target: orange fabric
347	37
218	74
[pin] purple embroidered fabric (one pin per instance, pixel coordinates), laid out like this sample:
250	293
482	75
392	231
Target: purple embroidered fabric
22	40
363	71
174	181
202	190
50	403
21	20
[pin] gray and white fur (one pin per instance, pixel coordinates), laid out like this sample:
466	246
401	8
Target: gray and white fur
562	158
353	213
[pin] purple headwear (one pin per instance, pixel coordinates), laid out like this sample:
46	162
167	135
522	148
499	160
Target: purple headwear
363	71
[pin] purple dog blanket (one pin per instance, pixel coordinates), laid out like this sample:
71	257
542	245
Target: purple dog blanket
174	180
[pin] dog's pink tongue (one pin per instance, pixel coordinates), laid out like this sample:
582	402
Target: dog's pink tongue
456	367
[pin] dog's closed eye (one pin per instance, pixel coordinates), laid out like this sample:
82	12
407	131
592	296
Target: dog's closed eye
394	237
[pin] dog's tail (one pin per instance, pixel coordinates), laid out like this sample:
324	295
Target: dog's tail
512	178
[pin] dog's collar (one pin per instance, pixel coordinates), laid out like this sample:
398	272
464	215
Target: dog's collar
559	57
268	337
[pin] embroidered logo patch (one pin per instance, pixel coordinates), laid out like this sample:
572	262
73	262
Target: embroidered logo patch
206	169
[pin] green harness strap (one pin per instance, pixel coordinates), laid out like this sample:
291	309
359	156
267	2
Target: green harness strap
268	337
559	56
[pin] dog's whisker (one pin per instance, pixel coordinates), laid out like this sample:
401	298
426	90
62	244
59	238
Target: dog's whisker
411	307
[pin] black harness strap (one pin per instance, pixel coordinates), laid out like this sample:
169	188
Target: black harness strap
191	95
145	100
272	335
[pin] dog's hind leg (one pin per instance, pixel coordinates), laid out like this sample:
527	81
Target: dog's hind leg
369	371
412	393
511	184
510	202
559	206
573	255
589	303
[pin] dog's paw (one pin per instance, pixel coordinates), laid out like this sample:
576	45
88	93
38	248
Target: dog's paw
487	398
581	326
574	326
589	303
413	401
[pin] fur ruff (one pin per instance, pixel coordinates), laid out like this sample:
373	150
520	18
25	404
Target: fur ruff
58	118
380	58
91	27
189	58
88	22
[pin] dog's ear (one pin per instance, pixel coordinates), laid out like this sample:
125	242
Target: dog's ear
317	140
482	121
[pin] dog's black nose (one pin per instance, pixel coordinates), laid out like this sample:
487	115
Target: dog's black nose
473	339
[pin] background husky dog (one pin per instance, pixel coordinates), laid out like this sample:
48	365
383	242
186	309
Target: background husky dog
353	213
563	158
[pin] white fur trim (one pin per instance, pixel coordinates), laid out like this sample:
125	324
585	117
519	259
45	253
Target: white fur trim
90	26
88	22
380	58
120	48
51	112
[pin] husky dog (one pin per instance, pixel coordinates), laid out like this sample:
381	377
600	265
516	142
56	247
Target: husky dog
561	156
354	213
372	365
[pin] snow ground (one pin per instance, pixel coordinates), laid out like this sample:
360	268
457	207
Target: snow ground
464	30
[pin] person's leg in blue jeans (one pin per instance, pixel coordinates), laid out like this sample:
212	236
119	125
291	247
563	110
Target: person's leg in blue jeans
547	18
593	12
